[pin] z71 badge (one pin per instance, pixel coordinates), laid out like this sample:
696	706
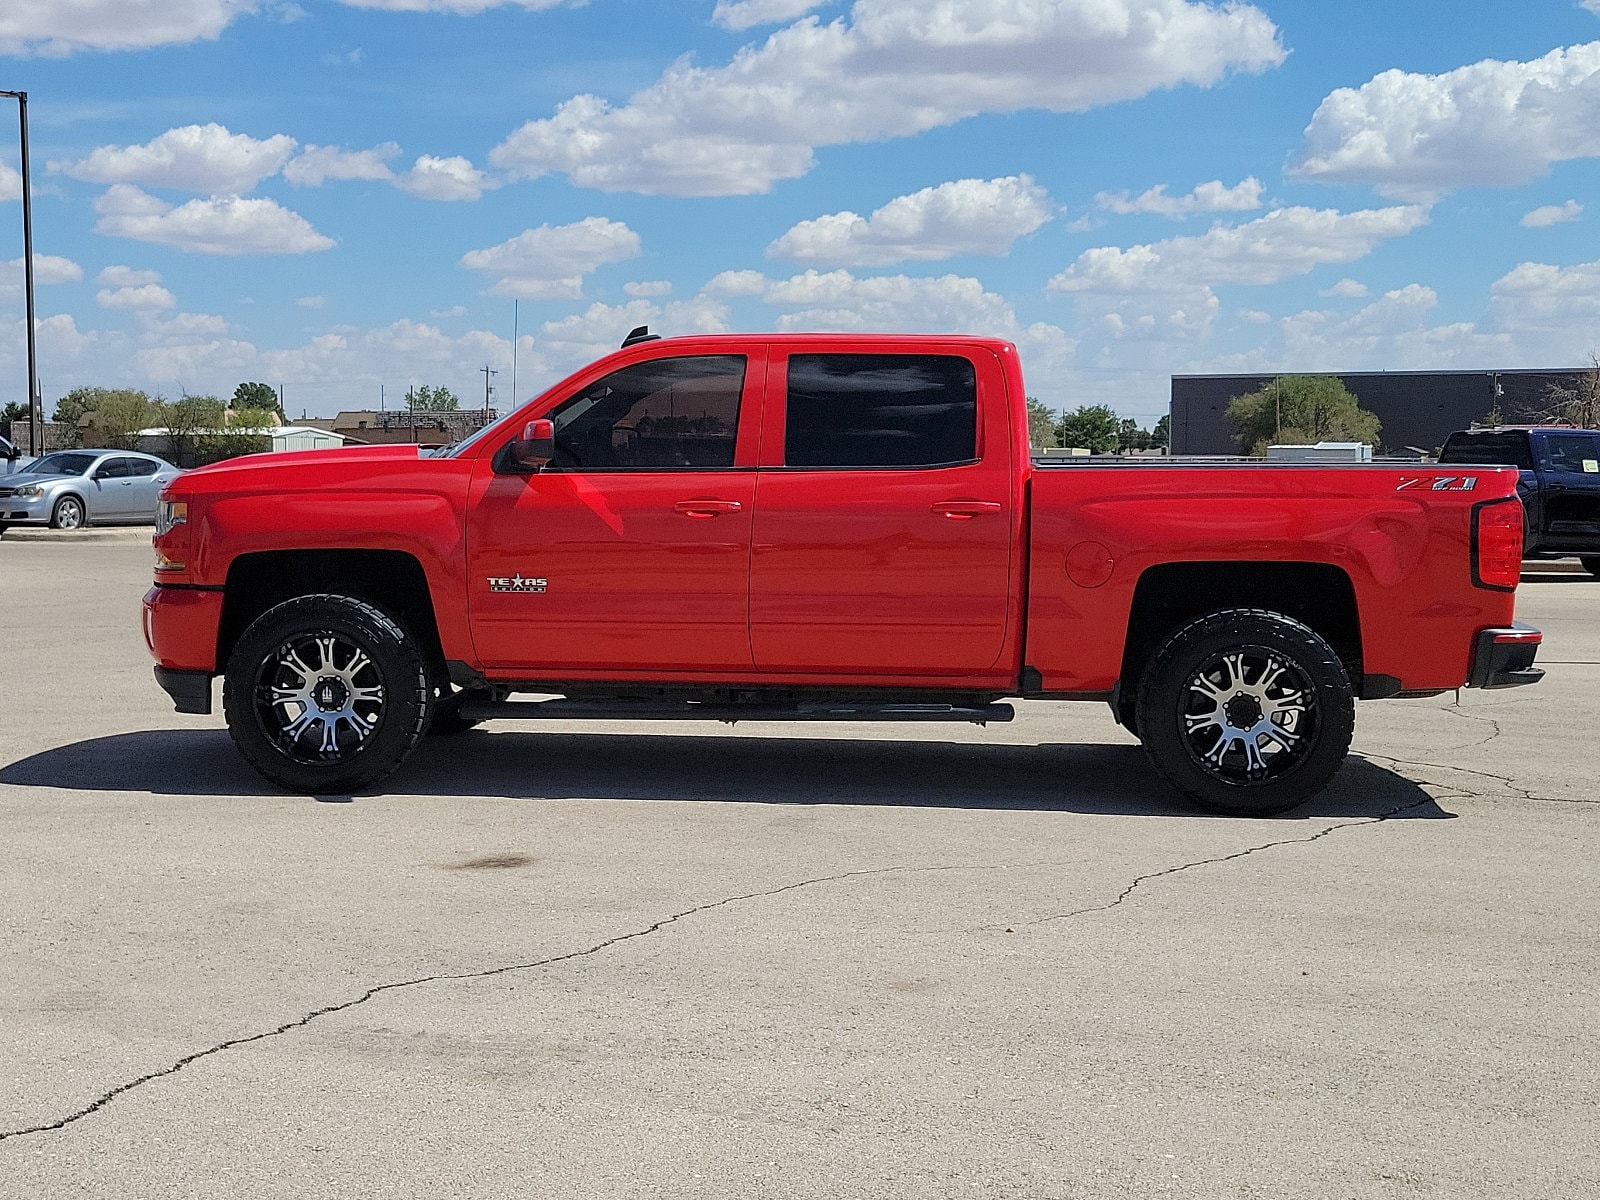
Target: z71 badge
516	583
1437	483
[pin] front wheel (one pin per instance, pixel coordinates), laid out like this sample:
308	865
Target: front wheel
326	694
67	514
1246	712
1591	564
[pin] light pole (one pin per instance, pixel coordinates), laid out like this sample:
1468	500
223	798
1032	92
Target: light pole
34	430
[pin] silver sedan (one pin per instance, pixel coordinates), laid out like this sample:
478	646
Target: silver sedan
72	488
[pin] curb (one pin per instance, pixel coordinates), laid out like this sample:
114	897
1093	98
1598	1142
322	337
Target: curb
18	533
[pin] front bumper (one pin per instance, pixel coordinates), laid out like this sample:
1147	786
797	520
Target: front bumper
26	510
180	627
1503	657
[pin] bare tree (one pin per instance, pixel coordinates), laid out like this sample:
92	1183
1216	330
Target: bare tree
1576	404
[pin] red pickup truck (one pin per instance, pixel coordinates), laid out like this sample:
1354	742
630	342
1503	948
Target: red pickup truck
823	528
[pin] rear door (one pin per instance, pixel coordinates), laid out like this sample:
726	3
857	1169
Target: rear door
631	551
1571	463
882	539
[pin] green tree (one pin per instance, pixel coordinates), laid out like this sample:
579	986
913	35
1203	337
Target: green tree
254	395
432	399
1299	410
119	415
1131	436
1041	425
1161	435
1094	427
72	407
14	411
188	421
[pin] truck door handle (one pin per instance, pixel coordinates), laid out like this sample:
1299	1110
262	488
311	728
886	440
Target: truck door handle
701	509
965	510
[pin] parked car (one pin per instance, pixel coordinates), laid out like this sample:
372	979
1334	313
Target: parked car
1558	482
12	460
73	488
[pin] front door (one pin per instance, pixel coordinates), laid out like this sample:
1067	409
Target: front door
883	533
631	550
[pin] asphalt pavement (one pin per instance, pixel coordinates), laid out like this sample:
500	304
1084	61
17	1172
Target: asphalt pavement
788	961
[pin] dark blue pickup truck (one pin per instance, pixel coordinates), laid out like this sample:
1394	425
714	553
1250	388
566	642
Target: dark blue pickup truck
1559	484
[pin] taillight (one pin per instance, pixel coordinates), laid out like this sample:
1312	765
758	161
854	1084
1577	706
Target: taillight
1497	544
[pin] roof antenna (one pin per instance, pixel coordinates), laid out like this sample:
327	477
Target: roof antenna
641	334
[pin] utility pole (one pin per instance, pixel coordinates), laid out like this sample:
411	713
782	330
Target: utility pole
514	315
35	418
488	388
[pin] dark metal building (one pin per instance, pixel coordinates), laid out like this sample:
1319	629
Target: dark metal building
1418	409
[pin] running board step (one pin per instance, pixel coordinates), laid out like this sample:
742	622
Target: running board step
653	710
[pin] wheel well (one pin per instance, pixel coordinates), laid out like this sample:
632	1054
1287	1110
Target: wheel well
1173	594
388	579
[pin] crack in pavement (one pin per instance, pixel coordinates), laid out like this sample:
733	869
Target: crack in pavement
1504	780
460	976
1456	710
1222	858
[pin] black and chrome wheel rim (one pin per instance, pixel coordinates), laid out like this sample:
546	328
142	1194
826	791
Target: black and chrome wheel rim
1249	716
319	697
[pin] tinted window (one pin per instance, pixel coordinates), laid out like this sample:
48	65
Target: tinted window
142	467
1570	451
112	468
1488	449
62	464
881	410
673	412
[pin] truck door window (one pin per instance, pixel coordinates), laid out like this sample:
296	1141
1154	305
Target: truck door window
881	410
658	415
1577	452
1488	449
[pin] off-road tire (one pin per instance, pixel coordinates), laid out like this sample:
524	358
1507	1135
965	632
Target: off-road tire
1246	712
62	515
367	691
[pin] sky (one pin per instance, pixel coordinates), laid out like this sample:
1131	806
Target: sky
345	198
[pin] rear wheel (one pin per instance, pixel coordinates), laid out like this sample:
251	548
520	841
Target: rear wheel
1246	712
326	694
67	514
1591	564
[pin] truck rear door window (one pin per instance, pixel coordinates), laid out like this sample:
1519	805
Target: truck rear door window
1576	452
663	414
1488	449
881	410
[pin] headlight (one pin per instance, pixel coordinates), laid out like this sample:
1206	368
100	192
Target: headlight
170	514
30	489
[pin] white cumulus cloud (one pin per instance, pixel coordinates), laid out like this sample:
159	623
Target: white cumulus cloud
136	299
1553	214
57	27
454	178
1345	289
891	69
550	262
194	158
1244	196
743	14
459	7
117	276
1270	249
315	164
644	289
218	225
1417	136
10	182
967	216
47	269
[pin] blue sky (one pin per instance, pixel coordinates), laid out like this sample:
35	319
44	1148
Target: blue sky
340	195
